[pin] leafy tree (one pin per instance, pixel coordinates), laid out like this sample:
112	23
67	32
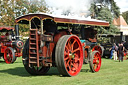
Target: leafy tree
10	9
107	10
111	4
115	9
125	16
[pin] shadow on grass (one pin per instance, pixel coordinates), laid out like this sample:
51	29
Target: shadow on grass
2	61
20	71
116	61
85	70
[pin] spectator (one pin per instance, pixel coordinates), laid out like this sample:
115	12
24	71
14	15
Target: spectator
120	52
115	47
111	51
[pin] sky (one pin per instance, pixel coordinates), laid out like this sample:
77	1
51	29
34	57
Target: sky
60	6
123	5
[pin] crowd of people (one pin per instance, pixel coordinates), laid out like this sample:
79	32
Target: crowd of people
117	52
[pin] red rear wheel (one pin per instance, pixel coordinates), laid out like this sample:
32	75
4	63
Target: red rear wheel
95	62
9	55
69	55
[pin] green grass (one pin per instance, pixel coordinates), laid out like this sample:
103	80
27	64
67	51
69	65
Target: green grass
111	73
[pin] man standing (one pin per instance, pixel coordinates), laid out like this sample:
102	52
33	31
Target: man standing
120	52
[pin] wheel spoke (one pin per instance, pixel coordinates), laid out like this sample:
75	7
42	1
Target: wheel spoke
73	44
66	58
67	63
69	45
74	68
77	59
67	49
77	49
66	53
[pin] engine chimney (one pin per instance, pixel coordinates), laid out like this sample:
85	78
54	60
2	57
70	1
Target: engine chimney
17	31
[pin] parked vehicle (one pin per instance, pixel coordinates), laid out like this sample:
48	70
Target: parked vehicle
59	42
10	44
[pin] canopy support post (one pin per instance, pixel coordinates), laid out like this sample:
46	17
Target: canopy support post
42	43
29	24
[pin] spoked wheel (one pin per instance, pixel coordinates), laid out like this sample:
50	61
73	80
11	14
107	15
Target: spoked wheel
33	70
95	61
9	55
98	48
69	55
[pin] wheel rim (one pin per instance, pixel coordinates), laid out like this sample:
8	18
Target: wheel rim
8	56
73	56
96	62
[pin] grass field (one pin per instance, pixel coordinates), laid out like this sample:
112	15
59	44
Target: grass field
111	73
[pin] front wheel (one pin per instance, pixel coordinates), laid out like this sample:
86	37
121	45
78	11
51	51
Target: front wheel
9	55
95	61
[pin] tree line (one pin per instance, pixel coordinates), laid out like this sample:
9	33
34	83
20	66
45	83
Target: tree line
10	9
106	10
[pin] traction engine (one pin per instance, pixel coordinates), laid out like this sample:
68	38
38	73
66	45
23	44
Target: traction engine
54	42
10	44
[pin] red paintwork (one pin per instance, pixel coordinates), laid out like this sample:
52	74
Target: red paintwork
57	36
47	52
18	52
3	49
85	54
86	51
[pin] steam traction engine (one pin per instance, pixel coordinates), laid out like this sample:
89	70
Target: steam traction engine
10	44
59	42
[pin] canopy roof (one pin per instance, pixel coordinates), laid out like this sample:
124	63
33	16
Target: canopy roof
60	19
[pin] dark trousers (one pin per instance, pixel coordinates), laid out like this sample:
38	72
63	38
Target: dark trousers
121	55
